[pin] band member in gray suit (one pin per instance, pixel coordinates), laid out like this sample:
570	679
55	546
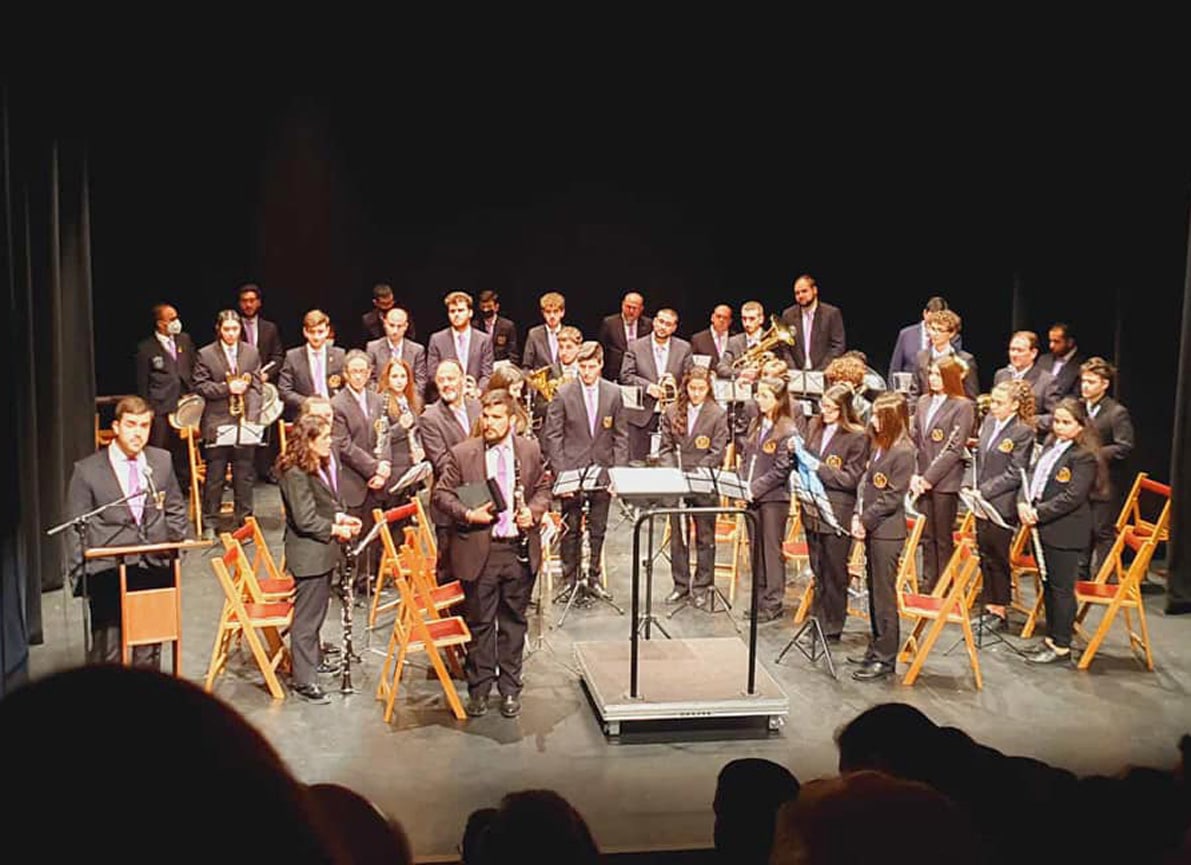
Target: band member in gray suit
765	464
471	347
1023	365
694	434
914	338
445	423
502	331
646	361
124	467
1114	430
264	336
164	372
357	430
943	326
227	376
836	450
395	344
1068	471
1003	450
617	331
585	426
752	319
818	327
541	343
496	554
942	424
314	368
713	341
315	517
880	521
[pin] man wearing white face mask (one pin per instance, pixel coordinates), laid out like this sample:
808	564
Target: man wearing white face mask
164	372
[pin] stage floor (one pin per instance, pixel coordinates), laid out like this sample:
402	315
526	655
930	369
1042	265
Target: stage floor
430	771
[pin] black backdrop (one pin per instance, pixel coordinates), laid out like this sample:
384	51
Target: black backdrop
691	194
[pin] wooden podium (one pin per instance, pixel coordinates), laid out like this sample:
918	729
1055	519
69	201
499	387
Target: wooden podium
149	615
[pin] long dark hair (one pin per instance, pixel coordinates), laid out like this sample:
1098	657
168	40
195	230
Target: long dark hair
410	393
299	450
782	407
841	394
893	415
1088	439
683	403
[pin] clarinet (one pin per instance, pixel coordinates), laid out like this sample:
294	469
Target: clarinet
518	504
381	451
1034	536
347	596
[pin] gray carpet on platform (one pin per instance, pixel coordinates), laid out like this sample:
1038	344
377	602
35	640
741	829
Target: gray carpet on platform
430	771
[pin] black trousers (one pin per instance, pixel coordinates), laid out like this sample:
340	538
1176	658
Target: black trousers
571	545
1104	516
265	455
311	596
680	555
367	561
162	435
882	599
494	608
767	550
993	543
103	601
639	437
442	567
1062	566
937	534
829	563
217	462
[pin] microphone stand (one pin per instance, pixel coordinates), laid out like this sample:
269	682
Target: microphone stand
81	523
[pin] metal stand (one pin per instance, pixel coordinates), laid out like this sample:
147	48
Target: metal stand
713	591
585	591
818	644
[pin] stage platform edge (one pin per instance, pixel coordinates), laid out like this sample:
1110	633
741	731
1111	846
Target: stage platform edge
683	685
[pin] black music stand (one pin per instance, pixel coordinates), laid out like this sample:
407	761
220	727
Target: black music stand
707	481
812	521
584	592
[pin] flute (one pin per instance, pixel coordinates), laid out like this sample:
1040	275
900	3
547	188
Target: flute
1034	536
912	498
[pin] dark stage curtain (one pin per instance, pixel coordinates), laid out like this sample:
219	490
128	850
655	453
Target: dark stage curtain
1178	585
49	380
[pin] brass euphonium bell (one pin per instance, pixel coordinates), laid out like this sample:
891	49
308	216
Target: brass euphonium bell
540	381
669	389
778	334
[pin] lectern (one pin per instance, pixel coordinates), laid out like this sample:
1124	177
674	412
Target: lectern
149	615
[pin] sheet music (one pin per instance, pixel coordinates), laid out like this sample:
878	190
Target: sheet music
653	482
245	433
415	474
703	361
631	396
571	480
980	506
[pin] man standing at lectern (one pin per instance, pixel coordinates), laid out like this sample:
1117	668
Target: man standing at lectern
155	513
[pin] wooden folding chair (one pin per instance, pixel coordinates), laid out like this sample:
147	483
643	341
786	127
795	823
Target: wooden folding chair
444	596
966	528
1131	515
259	587
1124	594
943	607
1022	565
198	475
417	626
259	624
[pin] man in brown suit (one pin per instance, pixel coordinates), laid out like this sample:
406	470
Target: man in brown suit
490	547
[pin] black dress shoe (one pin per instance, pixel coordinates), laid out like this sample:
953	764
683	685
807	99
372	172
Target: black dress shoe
510	706
477	706
312	693
1047	655
832	638
328	649
328	667
677	595
873	670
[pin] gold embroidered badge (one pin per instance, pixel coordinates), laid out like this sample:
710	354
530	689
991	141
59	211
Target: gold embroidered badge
702	443
834	462
769	447
880	481
334	382
1006	446
936	435
1063	475
608	422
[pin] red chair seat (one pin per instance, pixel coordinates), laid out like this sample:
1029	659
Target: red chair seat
1096	590
278	610
924	603
795	548
276	587
1025	562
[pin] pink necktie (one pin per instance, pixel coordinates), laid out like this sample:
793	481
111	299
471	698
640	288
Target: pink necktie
137	503
459	352
173	348
251	332
320	380
591	409
504	524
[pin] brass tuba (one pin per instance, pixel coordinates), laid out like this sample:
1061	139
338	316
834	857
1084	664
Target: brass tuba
778	333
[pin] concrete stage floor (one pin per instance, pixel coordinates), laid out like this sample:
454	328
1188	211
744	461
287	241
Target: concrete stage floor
430	771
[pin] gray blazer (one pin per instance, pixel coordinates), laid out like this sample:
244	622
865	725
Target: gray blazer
567	441
412	353
295	382
537	348
355	442
210	382
640	369
310	508
440	432
478	363
93	483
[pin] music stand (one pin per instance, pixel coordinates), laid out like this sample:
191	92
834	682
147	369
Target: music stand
723	484
812	521
582	482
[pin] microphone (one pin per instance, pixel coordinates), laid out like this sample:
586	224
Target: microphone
158	497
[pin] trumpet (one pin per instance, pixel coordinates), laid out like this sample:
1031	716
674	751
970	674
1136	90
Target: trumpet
669	388
778	334
235	401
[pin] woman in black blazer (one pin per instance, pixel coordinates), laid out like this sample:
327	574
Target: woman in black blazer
880	521
1057	504
765	463
1003	449
308	477
836	451
403	406
942	423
